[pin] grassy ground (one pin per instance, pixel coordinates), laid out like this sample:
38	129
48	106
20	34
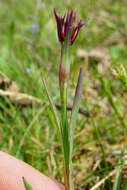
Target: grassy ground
28	47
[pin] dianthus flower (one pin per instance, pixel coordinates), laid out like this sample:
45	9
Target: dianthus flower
63	23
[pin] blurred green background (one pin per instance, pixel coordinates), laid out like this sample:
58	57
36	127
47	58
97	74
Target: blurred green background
28	48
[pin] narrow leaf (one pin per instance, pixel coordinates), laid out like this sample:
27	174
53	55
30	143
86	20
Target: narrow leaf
28	130
119	172
52	105
75	109
65	144
74	114
27	185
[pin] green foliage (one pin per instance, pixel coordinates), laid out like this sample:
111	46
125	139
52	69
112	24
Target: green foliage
125	186
118	54
27	185
117	183
121	74
27	129
75	109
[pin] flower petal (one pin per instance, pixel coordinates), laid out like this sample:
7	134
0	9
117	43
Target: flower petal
60	26
76	31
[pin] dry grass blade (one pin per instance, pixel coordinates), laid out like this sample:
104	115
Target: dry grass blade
16	96
103	180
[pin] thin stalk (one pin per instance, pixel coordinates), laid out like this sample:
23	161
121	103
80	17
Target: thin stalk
63	80
64	127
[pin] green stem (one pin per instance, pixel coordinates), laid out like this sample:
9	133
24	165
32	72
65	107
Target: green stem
64	71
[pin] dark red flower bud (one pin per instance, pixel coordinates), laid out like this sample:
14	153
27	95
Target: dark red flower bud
63	24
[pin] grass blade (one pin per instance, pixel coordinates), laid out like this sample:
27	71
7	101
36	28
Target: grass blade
28	130
119	172
52	105
27	185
